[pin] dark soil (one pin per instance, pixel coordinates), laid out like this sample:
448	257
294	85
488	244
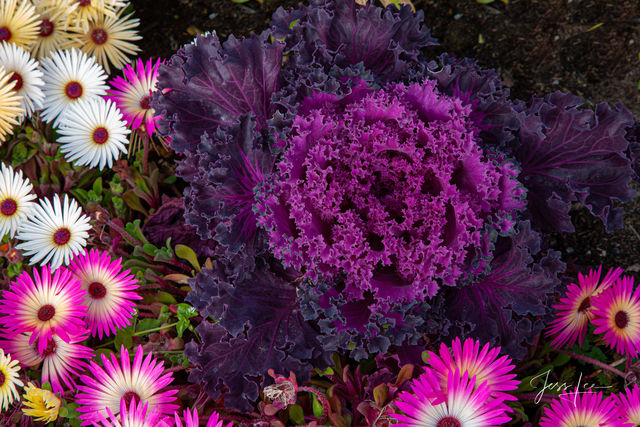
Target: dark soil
538	46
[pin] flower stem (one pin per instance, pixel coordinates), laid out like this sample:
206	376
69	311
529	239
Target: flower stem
594	362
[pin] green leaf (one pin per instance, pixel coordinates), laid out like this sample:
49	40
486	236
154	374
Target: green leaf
186	311
14	269
317	407
146	324
185	252
485	1
150	249
97	186
165	297
182	326
561	359
296	414
239	1
133	202
124	338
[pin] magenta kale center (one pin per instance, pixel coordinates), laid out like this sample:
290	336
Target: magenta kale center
388	188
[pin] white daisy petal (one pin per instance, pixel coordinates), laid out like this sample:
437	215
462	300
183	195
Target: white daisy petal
25	74
15	200
92	133
53	233
70	76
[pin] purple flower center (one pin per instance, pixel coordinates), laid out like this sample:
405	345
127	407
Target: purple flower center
622	319
97	290
130	395
61	236
99	36
15	77
448	422
100	135
584	305
145	103
84	3
46	28
8	207
51	348
73	90
1	378
46	312
5	34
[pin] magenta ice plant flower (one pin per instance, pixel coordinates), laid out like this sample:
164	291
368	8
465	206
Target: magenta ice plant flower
136	414
389	188
61	361
43	306
629	404
582	408
132	94
110	290
483	364
191	419
142	381
616	314
575	309
460	404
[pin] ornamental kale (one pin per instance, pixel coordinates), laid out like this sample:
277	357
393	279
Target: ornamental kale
405	197
389	188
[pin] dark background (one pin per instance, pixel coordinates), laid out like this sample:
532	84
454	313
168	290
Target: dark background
538	46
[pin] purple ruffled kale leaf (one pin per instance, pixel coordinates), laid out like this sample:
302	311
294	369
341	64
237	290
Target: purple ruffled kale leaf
570	155
260	328
343	33
362	327
207	85
491	109
633	136
168	222
222	175
388	187
508	305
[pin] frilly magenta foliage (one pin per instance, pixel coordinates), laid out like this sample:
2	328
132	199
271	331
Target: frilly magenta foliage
388	187
393	180
259	327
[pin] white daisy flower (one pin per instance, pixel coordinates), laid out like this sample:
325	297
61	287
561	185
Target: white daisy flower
69	77
26	76
93	133
55	232
15	200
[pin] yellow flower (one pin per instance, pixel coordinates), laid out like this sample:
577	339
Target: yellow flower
109	39
10	107
8	380
43	404
18	23
53	21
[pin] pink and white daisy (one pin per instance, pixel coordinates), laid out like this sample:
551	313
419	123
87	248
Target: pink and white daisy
461	404
135	415
132	94
629	404
92	133
616	314
191	419
142	381
483	364
69	76
26	76
110	291
577	409
15	200
54	232
575	309
61	361
47	306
